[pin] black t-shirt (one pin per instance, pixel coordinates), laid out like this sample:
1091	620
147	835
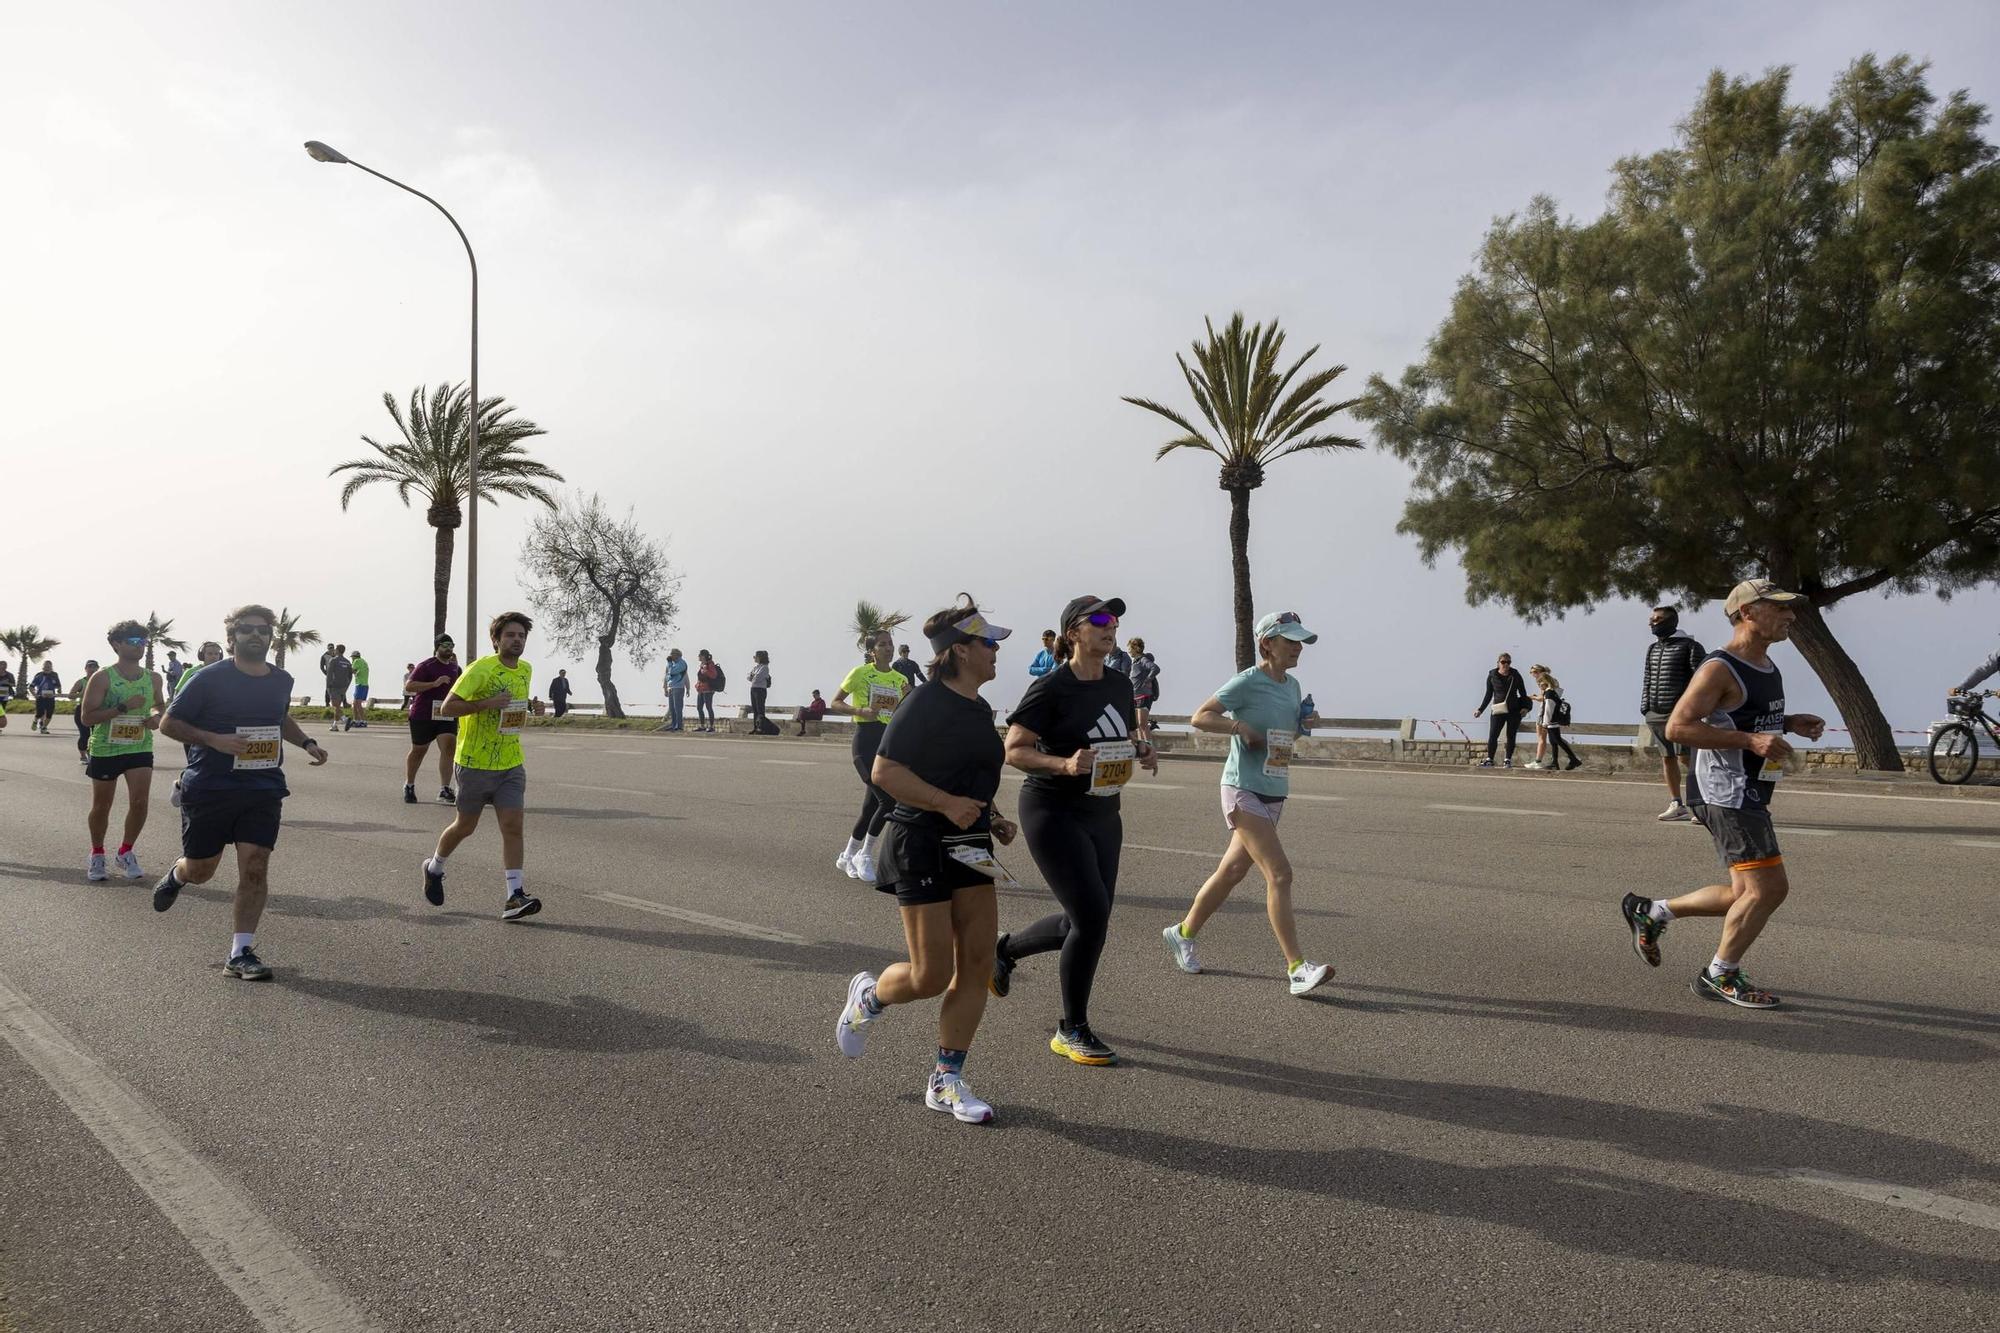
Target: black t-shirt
1069	714
908	670
947	740
222	699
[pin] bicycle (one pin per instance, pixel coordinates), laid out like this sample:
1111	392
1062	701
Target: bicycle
1955	746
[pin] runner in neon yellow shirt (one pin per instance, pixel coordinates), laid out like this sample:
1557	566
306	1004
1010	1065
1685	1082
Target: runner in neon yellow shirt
491	703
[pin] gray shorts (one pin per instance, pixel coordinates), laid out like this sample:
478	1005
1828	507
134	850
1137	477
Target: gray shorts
1242	801
1744	839
502	788
1658	726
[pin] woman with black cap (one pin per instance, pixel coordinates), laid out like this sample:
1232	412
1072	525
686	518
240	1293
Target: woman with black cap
1072	734
940	761
1257	709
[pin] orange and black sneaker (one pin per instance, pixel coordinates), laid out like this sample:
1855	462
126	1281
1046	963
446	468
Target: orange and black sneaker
1646	932
1732	987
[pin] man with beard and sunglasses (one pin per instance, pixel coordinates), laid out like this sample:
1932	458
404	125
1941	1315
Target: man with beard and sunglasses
234	717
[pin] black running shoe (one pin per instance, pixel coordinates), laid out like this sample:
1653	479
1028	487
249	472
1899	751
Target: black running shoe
247	966
409	793
1646	932
1732	988
1003	970
446	796
166	891
1081	1045
520	905
433	885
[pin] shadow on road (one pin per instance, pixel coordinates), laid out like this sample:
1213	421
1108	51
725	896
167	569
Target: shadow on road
1247	901
587	1023
47	874
1576	1208
1799	1027
351	826
836	960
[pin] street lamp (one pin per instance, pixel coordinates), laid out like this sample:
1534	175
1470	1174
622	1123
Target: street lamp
320	152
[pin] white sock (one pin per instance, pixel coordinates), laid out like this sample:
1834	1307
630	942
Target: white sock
873	845
1718	965
1660	912
853	846
515	880
240	941
435	865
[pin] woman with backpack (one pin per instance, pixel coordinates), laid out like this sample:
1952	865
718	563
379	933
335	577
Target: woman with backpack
708	682
1549	725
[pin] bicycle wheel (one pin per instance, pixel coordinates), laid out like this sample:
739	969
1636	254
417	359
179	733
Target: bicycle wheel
1954	754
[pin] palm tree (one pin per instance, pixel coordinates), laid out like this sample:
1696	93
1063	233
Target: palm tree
1257	416
432	460
870	620
287	637
26	640
156	634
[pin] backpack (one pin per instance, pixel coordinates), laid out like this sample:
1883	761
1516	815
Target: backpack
1559	716
721	679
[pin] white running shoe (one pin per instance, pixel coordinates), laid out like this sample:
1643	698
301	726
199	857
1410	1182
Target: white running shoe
852	1030
1675	813
862	867
1532	763
844	863
128	863
1180	949
94	871
947	1092
1307	976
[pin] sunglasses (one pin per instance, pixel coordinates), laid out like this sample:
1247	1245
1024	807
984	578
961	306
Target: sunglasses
139	640
264	630
1289	618
1101	618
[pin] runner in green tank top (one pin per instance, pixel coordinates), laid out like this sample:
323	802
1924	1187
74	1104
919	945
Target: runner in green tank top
121	705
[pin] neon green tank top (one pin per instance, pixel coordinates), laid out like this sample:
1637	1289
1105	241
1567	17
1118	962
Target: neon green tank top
117	691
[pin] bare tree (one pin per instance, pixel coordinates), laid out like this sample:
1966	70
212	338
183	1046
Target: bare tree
595	579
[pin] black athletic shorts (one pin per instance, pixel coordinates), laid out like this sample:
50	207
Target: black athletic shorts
1744	839
915	865
424	730
210	824
103	768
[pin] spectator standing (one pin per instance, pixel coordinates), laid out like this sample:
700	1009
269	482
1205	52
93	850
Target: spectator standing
677	688
1550	722
172	671
359	665
559	692
1145	686
339	674
905	667
1045	660
760	691
1671	661
1507	695
707	684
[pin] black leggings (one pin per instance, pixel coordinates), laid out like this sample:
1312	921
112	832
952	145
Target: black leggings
82	732
1075	842
1497	722
704	707
875	803
1558	746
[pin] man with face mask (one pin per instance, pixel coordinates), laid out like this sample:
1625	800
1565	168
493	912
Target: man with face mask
1671	661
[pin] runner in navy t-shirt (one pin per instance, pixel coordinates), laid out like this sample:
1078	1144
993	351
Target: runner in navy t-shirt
234	718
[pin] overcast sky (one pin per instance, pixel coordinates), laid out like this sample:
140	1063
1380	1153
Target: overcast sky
841	299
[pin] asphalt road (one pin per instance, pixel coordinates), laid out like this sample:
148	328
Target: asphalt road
629	1113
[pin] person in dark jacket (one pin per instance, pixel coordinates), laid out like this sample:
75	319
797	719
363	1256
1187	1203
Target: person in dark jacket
559	690
1671	661
1507	695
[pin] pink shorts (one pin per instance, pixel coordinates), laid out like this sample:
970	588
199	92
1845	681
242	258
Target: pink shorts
1239	801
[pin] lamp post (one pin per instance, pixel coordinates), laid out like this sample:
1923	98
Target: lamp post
320	152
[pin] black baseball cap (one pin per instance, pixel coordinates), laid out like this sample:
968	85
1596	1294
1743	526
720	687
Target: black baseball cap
1079	607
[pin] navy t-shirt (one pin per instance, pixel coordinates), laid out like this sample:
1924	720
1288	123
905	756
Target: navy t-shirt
221	698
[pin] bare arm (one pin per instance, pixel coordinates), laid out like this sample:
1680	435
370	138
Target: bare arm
1711	691
1214	719
93	708
457	705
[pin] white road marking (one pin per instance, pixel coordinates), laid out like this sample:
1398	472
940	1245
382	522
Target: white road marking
1494	810
1177	851
722	923
697	756
621	752
282	1288
1975	842
1152	786
616	791
792	763
1792	830
1902	1196
1311	796
540	748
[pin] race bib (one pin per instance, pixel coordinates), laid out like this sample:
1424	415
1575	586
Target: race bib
128	728
45	694
1112	768
513	717
1278	753
982	860
260	747
882	700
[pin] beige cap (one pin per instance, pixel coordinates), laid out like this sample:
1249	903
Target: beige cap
1756	590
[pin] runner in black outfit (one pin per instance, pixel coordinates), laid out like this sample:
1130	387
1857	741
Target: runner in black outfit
1072	735
1507	696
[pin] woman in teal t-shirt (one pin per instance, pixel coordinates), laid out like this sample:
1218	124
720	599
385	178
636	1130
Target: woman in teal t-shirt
1258	710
